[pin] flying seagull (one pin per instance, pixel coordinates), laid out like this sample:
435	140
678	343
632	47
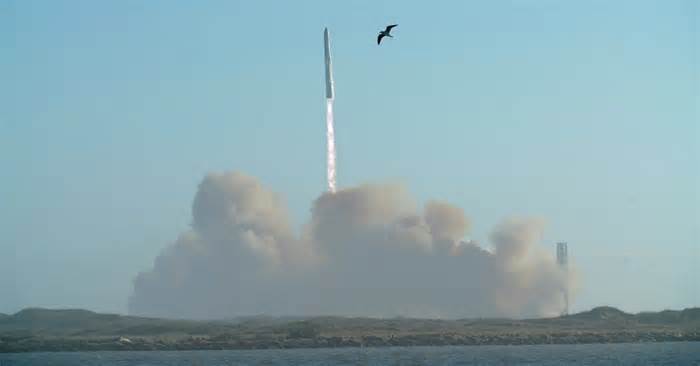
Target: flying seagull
385	33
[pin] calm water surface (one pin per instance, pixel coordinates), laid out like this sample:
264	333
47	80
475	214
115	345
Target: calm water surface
596	354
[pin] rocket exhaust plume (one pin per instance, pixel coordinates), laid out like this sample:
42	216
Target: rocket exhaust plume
330	133
330	136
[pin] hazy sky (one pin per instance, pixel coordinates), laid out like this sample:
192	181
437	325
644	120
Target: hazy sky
583	113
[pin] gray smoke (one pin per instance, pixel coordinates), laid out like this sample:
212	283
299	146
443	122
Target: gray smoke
366	251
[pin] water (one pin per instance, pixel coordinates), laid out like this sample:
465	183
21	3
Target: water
596	354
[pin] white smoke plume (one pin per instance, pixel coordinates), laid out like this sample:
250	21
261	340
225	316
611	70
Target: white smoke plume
330	136
366	251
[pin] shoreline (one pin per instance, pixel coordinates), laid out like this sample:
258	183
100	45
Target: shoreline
44	330
194	343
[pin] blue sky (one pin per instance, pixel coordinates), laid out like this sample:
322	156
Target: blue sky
583	113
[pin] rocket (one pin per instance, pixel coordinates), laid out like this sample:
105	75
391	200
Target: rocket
330	89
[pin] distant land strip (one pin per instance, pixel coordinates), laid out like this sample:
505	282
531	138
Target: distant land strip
33	330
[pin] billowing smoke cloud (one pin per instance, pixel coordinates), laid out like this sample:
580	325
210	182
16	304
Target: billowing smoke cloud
367	251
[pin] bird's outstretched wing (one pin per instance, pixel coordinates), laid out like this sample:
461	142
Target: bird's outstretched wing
389	27
379	38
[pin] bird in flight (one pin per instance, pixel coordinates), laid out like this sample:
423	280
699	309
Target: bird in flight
385	33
